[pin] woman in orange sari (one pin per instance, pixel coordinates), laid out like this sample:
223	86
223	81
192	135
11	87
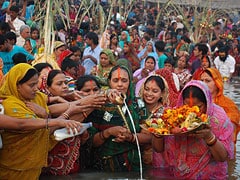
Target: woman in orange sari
213	79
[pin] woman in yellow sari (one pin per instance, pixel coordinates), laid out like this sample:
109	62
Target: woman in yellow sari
24	153
213	79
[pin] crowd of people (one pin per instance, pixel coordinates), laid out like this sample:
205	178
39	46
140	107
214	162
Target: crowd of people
129	72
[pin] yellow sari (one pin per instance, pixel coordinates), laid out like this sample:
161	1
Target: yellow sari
24	153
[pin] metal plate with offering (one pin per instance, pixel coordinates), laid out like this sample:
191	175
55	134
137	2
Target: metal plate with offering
177	121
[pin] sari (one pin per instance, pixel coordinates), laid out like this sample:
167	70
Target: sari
190	158
24	153
121	42
102	74
173	92
138	72
226	103
112	156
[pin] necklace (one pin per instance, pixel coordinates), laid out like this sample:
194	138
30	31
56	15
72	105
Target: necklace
157	111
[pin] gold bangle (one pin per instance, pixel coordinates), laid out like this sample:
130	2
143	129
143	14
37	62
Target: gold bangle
212	138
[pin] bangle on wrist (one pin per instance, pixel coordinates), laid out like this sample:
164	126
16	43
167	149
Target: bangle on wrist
47	121
133	138
101	135
212	141
84	114
157	136
65	115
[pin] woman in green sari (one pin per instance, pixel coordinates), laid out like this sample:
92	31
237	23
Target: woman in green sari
113	139
101	71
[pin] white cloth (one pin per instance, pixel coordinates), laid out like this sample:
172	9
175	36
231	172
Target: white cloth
176	81
20	41
227	67
17	23
88	63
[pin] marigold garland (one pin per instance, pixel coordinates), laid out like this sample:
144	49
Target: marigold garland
184	118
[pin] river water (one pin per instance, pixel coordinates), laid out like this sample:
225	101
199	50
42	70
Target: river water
232	90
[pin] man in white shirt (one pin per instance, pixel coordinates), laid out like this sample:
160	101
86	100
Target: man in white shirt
225	63
24	34
91	53
15	23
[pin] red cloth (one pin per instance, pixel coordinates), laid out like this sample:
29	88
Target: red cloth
173	92
63	55
63	159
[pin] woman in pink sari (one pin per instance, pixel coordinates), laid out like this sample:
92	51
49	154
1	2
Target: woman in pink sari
201	154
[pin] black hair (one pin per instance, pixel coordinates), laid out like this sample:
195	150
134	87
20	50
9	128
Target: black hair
115	68
40	66
74	49
30	73
2	40
19	58
14	8
158	80
11	36
148	57
92	36
196	92
51	75
68	63
186	39
202	47
169	61
4	27
160	45
83	79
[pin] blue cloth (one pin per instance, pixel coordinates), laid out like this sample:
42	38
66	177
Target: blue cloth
88	64
7	57
29	12
161	60
5	5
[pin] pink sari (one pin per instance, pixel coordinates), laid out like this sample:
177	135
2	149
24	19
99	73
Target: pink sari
190	158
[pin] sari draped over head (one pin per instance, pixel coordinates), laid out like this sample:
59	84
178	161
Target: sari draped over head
25	152
138	72
226	103
164	94
189	157
173	92
112	156
102	74
121	42
153	53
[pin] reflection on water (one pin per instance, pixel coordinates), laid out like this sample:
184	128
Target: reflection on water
231	90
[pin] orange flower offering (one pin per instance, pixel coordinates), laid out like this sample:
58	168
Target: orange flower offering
177	120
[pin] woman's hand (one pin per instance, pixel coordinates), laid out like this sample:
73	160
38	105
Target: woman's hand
145	72
69	124
120	133
38	110
113	96
93	101
57	99
204	134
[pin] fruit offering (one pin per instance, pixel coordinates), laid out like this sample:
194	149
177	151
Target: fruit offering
177	120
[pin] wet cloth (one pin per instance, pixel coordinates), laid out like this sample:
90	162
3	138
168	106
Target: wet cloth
190	158
25	152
